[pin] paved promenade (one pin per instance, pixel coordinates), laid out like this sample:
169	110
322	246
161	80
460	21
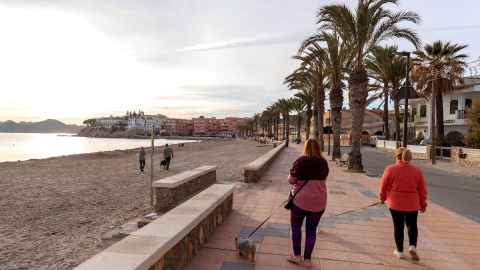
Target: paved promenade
358	240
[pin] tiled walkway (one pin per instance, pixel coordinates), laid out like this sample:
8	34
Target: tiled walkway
362	239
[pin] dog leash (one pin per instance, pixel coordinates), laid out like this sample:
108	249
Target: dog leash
373	204
268	218
355	209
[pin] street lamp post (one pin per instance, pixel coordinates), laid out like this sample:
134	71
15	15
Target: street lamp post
329	128
406	91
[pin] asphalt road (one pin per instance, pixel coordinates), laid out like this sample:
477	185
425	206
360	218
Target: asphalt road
457	192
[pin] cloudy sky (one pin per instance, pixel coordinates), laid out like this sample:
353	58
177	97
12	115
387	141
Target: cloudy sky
78	59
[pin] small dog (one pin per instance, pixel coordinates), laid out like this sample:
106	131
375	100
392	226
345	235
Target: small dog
163	163
245	247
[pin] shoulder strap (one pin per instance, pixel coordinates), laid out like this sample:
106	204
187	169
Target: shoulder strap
300	189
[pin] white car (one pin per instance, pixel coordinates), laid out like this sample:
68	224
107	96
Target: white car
374	138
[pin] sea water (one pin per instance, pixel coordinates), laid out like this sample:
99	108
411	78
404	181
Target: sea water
25	146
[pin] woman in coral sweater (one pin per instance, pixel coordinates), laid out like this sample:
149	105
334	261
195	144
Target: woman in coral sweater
405	191
311	200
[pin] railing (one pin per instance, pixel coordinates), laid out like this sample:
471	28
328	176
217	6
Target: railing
461	114
443	152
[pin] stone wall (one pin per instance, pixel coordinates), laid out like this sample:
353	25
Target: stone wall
472	156
186	249
253	171
167	197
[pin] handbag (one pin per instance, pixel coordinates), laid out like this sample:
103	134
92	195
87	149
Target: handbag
289	201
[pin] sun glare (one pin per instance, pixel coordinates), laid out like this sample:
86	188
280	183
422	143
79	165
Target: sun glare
61	63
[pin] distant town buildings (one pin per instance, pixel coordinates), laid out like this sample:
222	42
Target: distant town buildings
200	126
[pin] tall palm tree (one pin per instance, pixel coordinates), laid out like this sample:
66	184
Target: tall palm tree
379	64
395	74
365	27
256	118
313	72
306	96
441	64
298	106
338	61
285	108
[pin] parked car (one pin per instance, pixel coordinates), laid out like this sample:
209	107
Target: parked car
374	138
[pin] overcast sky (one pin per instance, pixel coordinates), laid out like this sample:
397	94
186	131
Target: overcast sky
78	59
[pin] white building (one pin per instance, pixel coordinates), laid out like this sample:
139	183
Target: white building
111	121
145	122
454	109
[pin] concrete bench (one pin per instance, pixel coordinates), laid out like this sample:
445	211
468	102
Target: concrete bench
254	170
175	188
172	240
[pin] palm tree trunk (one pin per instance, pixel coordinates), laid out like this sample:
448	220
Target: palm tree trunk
288	125
299	124
308	121
320	103
315	121
278	125
439	114
357	95
386	131
336	103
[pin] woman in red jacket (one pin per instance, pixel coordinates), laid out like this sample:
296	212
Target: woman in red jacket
311	200
405	191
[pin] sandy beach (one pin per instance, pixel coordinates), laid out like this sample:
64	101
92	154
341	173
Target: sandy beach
55	210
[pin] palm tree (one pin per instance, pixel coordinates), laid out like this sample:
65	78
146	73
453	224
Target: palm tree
298	106
378	65
337	59
285	107
313	73
441	64
365	27
306	96
256	118
395	74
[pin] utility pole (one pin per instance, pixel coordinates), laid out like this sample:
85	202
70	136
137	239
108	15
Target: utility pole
433	150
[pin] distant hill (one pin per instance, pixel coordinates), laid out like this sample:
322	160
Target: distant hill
47	126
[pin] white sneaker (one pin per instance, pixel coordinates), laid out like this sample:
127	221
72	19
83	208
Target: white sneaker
399	255
413	252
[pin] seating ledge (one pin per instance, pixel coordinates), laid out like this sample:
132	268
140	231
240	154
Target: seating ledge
181	178
145	247
260	162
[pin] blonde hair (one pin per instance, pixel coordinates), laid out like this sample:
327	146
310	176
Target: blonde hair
404	154
312	149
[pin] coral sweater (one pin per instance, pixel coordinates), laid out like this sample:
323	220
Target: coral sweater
313	196
403	187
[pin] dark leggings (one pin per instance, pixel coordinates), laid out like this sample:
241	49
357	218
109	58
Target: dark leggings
400	218
297	216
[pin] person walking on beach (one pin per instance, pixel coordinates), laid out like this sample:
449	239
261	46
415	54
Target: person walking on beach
141	158
167	155
403	187
311	200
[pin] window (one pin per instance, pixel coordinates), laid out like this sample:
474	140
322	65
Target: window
414	111
423	111
468	104
453	106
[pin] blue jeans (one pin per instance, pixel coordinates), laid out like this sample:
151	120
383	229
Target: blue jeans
142	164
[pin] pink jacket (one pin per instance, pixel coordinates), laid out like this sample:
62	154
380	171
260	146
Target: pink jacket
313	196
404	188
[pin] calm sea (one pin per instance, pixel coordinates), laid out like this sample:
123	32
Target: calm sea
24	146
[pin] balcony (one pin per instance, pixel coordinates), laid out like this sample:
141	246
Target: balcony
461	114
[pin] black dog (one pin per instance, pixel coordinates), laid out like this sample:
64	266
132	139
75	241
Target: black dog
163	164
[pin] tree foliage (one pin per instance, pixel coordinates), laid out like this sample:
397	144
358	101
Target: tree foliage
473	123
